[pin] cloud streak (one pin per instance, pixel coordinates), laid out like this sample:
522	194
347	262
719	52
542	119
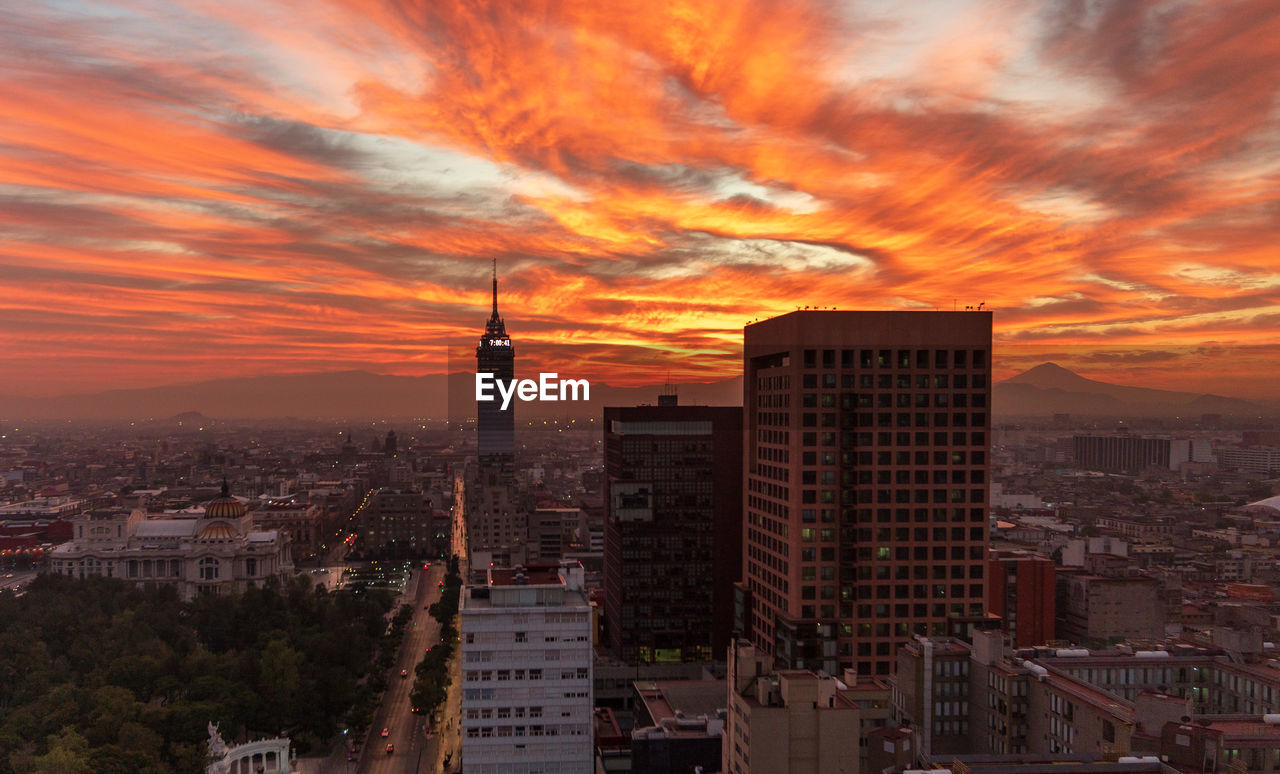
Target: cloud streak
310	186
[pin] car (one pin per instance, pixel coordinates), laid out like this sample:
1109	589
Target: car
390	748
440	585
404	673
386	731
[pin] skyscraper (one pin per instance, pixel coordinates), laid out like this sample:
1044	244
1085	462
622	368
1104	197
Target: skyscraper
495	355
866	482
673	531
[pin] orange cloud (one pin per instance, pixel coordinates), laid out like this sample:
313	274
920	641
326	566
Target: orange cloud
311	186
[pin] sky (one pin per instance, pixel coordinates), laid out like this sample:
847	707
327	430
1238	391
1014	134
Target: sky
195	189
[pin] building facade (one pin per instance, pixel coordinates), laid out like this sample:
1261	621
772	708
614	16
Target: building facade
867	476
1021	591
296	516
673	531
218	552
398	523
497	516
796	721
1263	460
1130	453
1052	704
526	672
1097	610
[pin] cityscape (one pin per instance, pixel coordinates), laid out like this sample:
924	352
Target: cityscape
871	569
546	388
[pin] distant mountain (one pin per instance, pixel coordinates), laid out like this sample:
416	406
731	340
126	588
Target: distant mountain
334	395
1044	390
1051	389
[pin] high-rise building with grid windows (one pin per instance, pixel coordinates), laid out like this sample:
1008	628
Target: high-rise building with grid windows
866	472
673	530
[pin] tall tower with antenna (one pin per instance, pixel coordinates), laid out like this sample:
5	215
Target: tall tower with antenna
494	354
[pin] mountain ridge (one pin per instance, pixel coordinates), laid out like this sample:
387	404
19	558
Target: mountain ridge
1052	389
1043	390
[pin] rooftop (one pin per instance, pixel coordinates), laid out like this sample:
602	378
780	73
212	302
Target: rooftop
663	699
533	575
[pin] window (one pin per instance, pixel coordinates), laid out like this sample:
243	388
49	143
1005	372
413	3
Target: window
209	569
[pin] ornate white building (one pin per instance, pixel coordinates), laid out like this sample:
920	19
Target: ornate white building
262	756
218	551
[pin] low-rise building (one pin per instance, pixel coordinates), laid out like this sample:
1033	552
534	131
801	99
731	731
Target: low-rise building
1021	590
396	523
679	725
795	721
298	517
1076	702
1098	610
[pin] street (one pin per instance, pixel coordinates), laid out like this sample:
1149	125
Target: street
15	579
415	751
406	730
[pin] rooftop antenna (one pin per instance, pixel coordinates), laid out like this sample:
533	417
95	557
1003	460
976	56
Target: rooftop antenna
669	395
495	287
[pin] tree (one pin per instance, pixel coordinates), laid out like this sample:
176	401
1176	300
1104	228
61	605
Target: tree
68	754
120	678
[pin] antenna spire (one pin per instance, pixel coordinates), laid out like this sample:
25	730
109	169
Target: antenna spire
495	287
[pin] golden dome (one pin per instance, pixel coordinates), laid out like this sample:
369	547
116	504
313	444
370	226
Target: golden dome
224	507
218	530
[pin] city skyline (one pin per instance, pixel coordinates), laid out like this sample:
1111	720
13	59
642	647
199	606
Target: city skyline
191	188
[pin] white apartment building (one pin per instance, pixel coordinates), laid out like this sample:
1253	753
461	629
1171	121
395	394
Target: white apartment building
526	672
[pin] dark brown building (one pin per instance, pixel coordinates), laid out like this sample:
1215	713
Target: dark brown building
673	531
867	482
1021	590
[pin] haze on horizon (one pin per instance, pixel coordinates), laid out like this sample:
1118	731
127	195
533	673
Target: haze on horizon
192	189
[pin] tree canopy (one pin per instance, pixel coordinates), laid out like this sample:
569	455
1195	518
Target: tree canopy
101	676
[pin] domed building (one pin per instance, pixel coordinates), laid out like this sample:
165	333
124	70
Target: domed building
224	506
211	551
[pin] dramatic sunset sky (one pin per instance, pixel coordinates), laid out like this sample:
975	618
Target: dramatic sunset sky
199	188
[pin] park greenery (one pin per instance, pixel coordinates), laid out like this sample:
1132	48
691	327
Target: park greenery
102	677
431	676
